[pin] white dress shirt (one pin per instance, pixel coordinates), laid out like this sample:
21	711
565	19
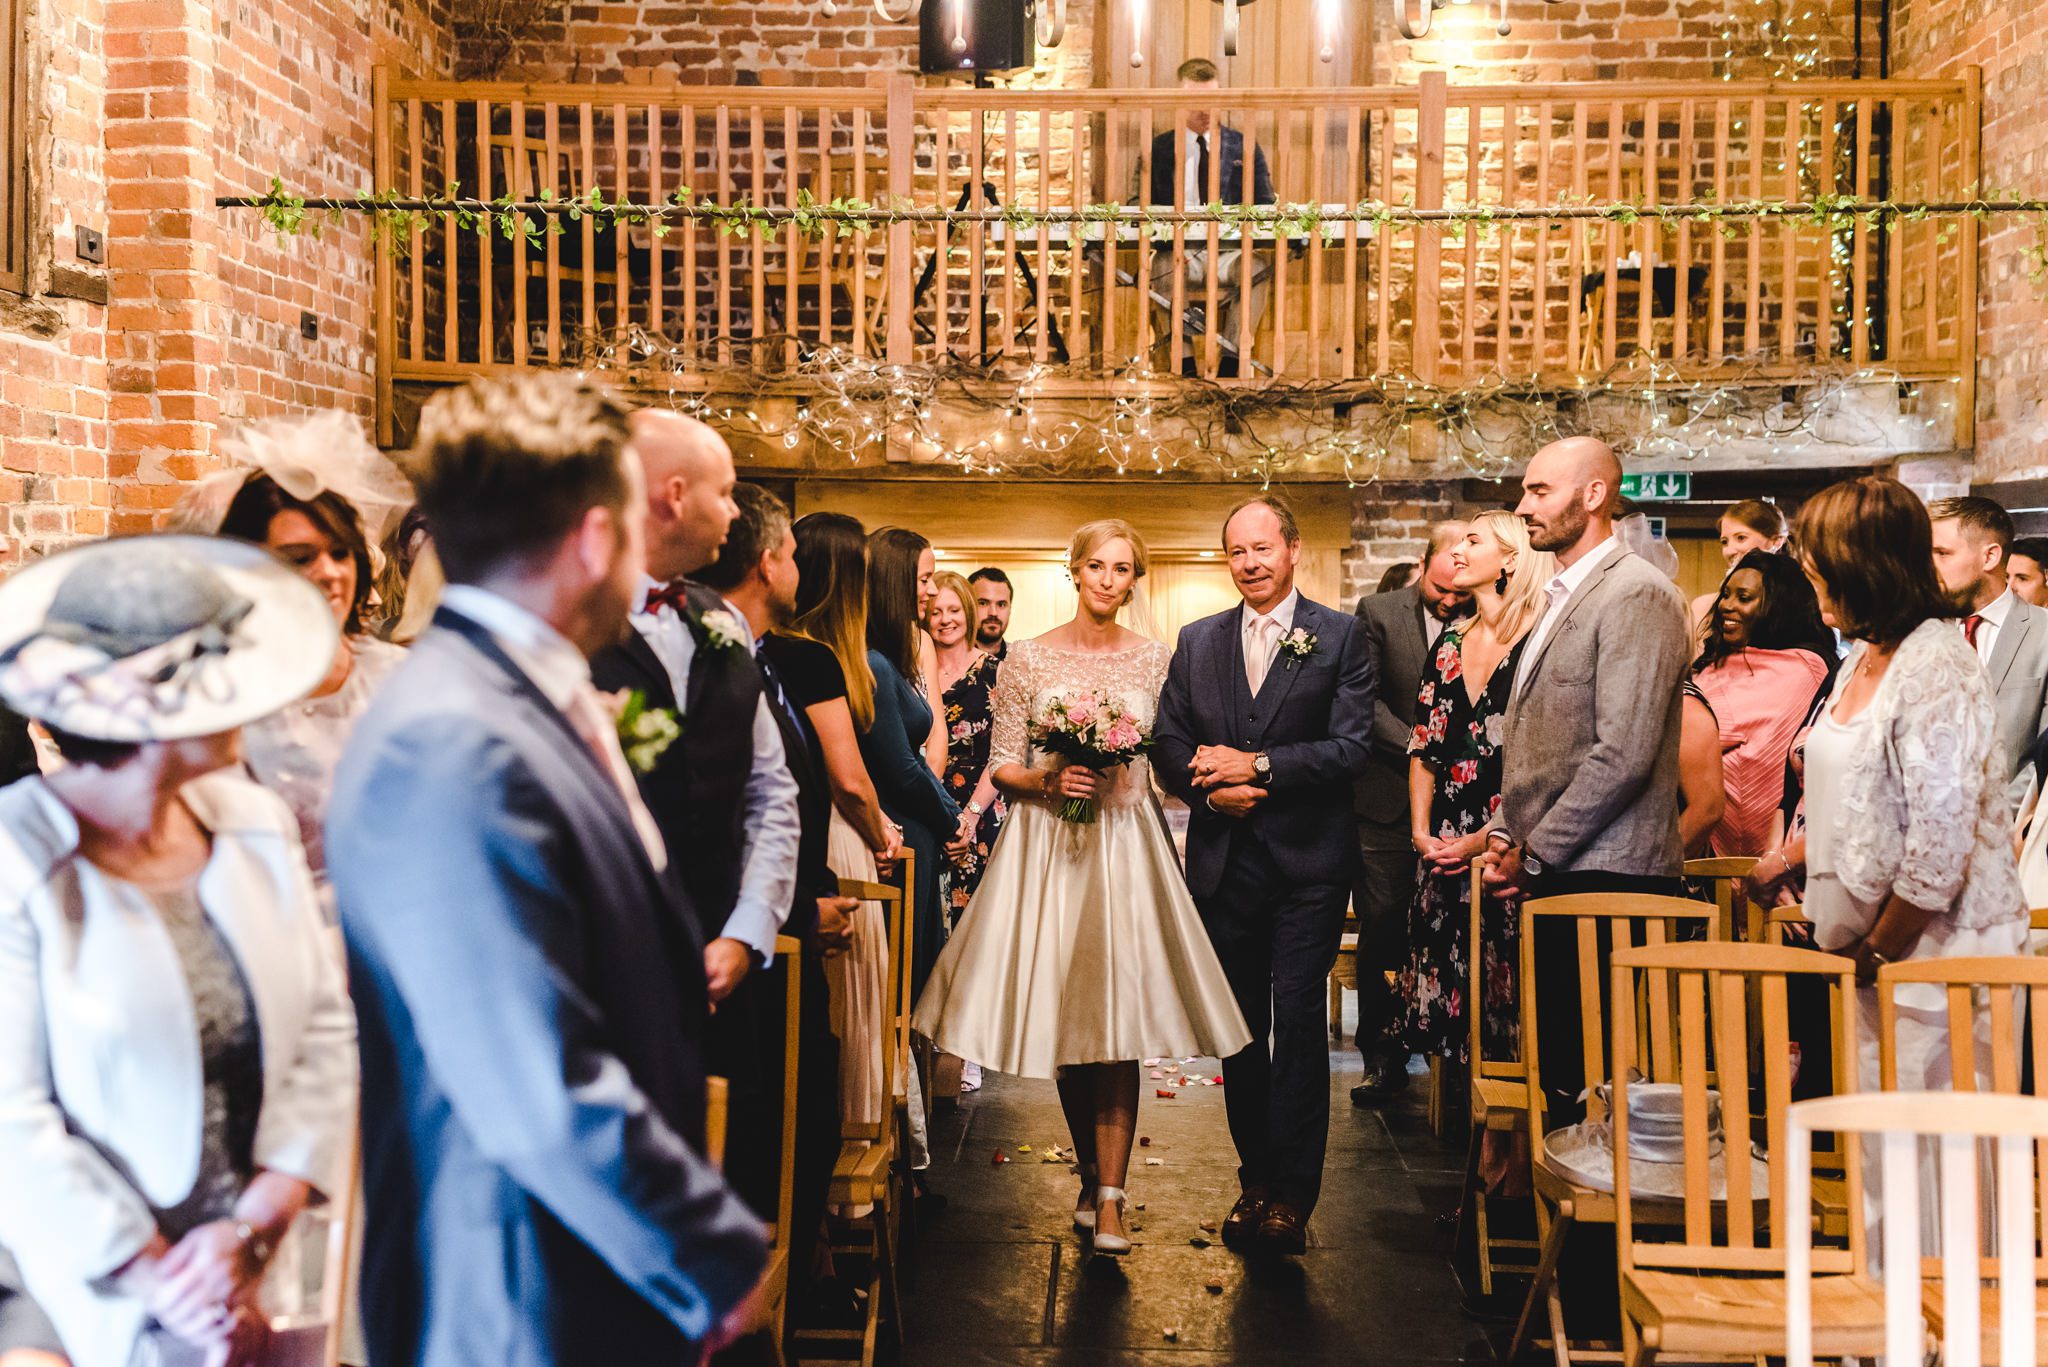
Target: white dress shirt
1558	592
1192	189
772	826
562	673
1993	615
1259	654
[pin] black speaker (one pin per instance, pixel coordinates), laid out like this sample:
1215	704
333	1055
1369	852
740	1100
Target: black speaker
976	35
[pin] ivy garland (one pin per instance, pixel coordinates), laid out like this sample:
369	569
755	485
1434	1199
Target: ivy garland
395	217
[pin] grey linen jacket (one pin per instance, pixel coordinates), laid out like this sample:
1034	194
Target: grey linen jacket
1590	758
2018	670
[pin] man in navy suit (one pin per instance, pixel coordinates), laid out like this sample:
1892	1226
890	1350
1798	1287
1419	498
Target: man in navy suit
1264	725
1185	175
528	979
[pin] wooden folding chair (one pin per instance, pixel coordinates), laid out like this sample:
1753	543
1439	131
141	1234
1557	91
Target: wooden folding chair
1500	1105
1703	1274
1739	919
717	1109
1562	1202
2006	986
1343	974
1970	1322
865	1176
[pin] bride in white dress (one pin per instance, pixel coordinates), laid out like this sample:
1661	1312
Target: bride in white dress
1082	952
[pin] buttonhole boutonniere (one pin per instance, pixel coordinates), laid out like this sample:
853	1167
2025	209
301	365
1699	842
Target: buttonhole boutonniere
1298	645
645	733
725	631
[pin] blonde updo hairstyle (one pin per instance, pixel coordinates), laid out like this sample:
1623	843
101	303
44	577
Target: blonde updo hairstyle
1091	537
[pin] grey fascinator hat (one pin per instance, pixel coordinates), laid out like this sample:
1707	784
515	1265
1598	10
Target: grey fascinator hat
156	638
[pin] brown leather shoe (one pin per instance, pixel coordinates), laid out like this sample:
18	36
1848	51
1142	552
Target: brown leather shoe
1241	1226
1284	1230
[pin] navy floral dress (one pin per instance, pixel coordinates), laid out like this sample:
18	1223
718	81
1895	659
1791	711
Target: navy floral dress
1460	743
968	718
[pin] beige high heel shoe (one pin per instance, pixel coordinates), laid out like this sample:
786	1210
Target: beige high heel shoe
1084	1205
1112	1245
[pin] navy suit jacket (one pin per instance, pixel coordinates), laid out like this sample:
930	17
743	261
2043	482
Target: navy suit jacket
1312	717
531	1001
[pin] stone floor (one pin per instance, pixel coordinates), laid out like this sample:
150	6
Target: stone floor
998	1278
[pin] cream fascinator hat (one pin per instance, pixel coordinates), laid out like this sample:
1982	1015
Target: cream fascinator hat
157	638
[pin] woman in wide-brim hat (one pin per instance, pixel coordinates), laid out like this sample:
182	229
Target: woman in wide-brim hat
177	1050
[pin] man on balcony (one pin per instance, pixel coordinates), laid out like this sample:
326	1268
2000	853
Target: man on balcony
1185	177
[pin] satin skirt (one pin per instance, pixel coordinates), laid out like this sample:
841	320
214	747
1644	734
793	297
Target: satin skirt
1081	945
858	981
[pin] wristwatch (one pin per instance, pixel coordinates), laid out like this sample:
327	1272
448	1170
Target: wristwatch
257	1246
975	809
1262	766
1531	865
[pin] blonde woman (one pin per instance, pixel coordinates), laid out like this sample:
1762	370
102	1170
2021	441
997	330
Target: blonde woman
822	662
1083	951
1454	776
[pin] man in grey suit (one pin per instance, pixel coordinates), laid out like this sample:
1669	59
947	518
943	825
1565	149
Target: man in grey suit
528	978
1401	626
1972	537
1589	784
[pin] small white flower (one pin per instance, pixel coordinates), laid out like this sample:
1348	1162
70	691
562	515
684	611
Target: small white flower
726	631
1496	729
1298	644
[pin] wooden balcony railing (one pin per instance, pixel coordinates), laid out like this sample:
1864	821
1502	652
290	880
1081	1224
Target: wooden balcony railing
1448	304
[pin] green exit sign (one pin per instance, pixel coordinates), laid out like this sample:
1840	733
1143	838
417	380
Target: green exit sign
1665	486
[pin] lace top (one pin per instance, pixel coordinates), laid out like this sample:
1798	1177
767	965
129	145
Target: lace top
1921	808
1033	672
293	751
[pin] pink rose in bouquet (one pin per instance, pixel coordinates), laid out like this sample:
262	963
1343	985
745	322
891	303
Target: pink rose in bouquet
1089	729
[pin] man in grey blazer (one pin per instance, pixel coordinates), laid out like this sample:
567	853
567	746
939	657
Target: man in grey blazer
528	978
1972	539
1589	785
1401	627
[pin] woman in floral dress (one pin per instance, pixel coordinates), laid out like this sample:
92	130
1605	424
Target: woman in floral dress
1454	790
967	677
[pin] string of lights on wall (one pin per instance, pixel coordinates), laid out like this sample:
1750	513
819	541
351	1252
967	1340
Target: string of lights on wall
1016	420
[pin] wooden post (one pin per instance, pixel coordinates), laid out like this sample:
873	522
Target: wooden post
902	143
1967	277
387	313
1429	194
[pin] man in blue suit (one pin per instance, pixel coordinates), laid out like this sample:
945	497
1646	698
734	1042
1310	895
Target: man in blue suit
1264	725
529	982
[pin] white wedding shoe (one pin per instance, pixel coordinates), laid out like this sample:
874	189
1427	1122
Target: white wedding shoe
1113	1245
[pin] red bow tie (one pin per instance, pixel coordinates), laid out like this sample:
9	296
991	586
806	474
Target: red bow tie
674	595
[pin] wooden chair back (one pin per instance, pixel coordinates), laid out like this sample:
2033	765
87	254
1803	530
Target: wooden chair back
717	1106
2015	1124
1712	986
1630	919
893	1011
791	952
2002	984
1514	1071
1778	919
1739	920
2037	919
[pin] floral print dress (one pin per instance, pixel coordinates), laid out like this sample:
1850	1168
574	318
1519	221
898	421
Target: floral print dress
968	718
1460	743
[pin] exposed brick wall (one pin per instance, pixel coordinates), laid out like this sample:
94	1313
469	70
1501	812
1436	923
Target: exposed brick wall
118	377
1579	40
775	42
1940	38
1390	521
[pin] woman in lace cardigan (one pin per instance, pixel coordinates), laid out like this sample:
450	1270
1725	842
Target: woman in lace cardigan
1908	842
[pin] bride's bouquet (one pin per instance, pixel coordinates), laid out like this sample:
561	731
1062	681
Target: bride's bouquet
1092	729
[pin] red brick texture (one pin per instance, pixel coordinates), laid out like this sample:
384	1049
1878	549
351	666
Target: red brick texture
1940	38
116	379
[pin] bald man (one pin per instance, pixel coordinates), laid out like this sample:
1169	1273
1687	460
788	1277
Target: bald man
723	792
1589	788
